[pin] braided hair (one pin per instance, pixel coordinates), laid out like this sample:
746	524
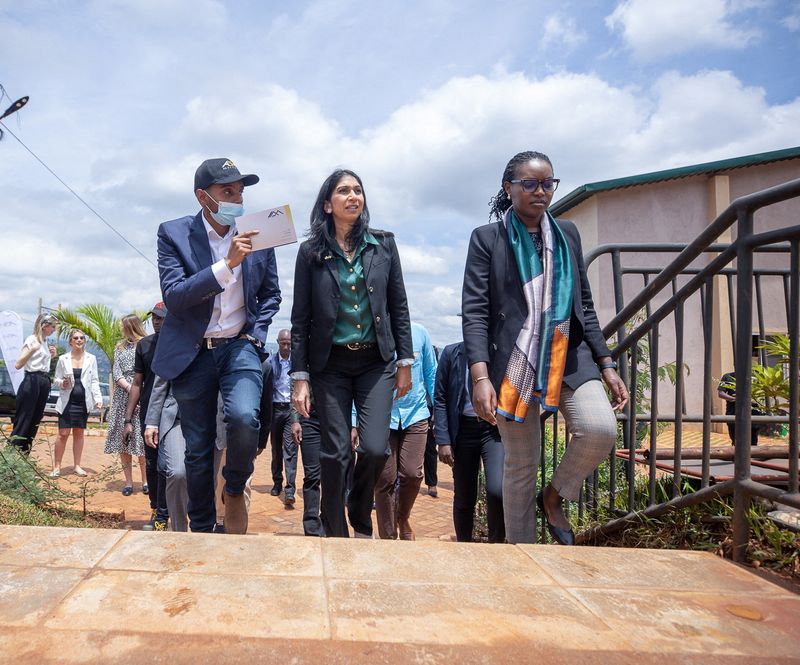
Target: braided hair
501	201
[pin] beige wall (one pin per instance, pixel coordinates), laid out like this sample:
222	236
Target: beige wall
677	211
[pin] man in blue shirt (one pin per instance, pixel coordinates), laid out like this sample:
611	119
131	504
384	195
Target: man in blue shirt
407	437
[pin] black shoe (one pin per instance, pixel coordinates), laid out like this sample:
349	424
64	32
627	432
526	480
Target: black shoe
219	528
145	489
288	500
561	536
276	489
127	491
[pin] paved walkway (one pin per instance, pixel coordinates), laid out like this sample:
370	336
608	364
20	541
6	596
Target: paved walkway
432	518
114	596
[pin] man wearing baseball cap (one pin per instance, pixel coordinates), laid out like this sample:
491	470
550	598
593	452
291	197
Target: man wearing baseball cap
221	297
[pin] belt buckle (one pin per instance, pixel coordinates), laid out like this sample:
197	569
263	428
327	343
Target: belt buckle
354	346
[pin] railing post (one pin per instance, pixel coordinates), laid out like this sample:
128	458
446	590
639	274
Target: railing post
743	364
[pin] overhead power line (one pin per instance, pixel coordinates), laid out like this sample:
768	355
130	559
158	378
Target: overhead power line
77	196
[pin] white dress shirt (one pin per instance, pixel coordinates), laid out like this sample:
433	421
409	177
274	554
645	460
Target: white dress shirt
228	316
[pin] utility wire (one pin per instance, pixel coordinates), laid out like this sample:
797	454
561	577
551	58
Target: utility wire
77	196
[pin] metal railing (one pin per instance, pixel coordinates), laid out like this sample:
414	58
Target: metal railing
636	327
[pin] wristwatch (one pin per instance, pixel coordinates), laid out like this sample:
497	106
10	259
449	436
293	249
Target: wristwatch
610	365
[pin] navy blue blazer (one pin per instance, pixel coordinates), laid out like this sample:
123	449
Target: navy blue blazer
494	308
448	395
189	287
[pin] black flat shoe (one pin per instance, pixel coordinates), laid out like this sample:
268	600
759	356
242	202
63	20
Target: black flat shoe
561	536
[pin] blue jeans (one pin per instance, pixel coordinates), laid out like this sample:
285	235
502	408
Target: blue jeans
234	371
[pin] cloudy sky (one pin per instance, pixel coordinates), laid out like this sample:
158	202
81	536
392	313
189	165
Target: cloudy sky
426	100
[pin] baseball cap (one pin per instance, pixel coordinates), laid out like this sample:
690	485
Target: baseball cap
220	171
159	309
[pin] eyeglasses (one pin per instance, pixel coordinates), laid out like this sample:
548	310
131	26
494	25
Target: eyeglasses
78	338
532	184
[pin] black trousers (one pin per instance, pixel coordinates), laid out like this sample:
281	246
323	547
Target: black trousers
754	429
280	420
430	467
309	451
477	442
365	378
31	400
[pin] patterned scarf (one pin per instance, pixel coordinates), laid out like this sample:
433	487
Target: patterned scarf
536	366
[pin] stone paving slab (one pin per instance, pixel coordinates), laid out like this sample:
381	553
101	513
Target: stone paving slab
137	597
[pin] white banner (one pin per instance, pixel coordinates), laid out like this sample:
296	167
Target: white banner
11	344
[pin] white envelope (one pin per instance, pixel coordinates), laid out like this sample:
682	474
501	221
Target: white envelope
275	227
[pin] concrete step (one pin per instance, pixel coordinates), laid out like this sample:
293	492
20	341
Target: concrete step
114	596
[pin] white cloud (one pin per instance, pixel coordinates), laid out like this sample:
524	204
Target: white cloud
562	33
655	30
792	22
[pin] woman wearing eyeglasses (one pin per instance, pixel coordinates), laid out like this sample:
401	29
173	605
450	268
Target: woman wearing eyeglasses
35	387
533	341
351	342
79	384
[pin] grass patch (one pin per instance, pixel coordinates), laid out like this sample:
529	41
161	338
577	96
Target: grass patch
20	513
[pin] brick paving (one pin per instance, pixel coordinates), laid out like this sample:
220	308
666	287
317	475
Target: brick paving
431	518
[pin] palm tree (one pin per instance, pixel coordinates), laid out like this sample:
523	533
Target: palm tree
98	322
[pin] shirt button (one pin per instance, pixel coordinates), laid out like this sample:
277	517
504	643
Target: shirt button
351	270
358	325
378	319
370	289
353	288
355	306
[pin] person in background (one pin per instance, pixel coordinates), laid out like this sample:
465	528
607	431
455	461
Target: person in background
408	435
32	395
79	391
351	341
464	441
307	434
430	466
122	372
142	388
284	452
533	341
162	433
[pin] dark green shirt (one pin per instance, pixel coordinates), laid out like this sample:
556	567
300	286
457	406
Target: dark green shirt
354	319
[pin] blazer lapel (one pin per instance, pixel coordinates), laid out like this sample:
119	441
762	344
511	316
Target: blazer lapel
512	277
329	259
366	258
198	242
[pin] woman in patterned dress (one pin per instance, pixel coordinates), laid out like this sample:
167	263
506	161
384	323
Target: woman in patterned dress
132	332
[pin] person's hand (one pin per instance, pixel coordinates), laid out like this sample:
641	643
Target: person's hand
484	401
297	433
402	381
446	455
52	351
302	397
66	382
126	433
619	393
241	246
354	438
151	436
98	405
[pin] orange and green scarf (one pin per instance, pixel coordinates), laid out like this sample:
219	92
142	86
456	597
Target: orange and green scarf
536	366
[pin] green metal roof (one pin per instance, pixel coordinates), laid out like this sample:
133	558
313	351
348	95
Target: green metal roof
584	192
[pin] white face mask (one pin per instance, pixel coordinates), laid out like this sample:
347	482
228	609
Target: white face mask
227	212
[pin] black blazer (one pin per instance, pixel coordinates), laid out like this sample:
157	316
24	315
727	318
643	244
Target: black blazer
494	308
316	304
448	395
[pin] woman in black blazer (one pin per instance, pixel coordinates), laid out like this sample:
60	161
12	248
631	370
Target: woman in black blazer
349	323
532	338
